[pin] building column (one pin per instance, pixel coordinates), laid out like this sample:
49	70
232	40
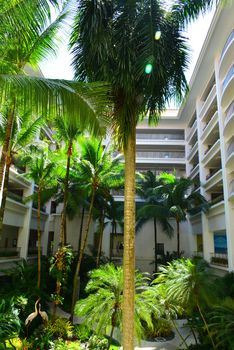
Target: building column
24	231
229	210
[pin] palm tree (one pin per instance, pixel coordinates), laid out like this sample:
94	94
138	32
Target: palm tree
24	131
181	198
103	307
30	35
154	208
97	171
42	171
191	285
116	42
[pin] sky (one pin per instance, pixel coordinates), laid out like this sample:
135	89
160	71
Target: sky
60	66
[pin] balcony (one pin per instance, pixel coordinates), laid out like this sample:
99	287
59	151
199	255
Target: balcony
227	55
194	171
192	131
229	122
230	156
193	151
208	103
219	259
228	87
213	179
163	157
159	139
9	253
231	190
212	154
210	127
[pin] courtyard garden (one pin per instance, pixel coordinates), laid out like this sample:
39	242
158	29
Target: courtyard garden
73	143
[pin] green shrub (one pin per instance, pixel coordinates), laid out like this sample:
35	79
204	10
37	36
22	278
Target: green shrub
162	328
97	343
82	332
10	324
66	345
61	328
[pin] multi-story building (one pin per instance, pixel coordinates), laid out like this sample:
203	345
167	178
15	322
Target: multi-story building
197	141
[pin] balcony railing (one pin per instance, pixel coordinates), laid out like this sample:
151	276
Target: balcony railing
217	199
9	253
194	147
228	77
160	137
160	155
230	113
212	172
230	149
231	186
15	197
220	259
229	39
192	129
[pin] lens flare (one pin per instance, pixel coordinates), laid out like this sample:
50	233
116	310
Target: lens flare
148	68
157	35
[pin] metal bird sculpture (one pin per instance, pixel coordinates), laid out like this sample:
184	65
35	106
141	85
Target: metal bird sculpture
43	314
33	315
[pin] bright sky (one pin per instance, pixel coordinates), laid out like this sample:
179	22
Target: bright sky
60	67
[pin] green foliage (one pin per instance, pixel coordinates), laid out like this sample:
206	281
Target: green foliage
161	328
10	324
66	345
97	343
61	327
82	332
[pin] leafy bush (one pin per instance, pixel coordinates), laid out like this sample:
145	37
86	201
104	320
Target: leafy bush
65	345
82	332
162	328
61	327
10	324
97	343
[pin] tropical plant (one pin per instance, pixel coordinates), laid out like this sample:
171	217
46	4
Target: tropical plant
97	171
154	208
29	36
102	309
9	320
191	285
24	130
140	49
180	198
42	171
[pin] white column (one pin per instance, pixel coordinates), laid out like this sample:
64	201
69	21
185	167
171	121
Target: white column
24	232
229	212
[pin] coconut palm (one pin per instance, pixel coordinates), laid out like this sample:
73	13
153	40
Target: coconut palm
24	130
29	35
102	309
154	208
41	170
191	285
181	198
97	170
139	48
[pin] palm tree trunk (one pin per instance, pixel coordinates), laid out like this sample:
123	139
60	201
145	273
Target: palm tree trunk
100	239
81	253
10	122
63	231
155	245
81	228
113	325
4	194
39	237
129	243
178	237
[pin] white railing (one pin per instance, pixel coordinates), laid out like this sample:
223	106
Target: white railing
160	155
208	101
229	39
161	137
228	77
195	146
230	149
230	113
192	129
231	186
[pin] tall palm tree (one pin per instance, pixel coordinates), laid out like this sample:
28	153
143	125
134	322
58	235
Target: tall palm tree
42	171
29	35
117	41
181	198
154	208
24	130
97	170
